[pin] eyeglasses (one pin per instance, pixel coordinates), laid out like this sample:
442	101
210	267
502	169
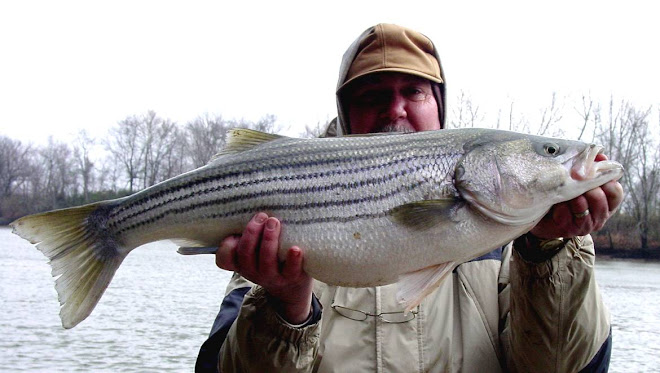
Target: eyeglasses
382	97
386	317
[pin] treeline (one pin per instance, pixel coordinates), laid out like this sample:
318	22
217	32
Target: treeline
142	150
139	151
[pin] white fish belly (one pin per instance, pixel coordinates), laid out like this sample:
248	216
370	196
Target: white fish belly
378	251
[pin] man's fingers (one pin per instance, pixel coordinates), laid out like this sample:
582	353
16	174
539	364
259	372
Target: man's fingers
578	207
270	243
293	265
225	256
598	204
614	193
246	253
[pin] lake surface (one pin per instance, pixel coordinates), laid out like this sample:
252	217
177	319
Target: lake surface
160	306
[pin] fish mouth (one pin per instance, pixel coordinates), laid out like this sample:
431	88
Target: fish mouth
585	167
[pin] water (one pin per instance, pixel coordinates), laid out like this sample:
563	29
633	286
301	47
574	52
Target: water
160	306
153	317
631	290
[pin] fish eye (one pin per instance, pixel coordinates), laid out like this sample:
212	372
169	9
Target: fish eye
551	149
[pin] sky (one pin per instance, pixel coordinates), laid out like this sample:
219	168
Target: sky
72	65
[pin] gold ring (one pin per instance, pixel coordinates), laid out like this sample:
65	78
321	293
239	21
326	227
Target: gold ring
582	214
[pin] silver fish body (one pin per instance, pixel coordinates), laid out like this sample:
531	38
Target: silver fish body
367	210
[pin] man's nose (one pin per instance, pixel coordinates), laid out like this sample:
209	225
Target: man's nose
396	108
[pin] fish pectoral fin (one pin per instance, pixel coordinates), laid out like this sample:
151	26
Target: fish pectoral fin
193	247
421	215
197	250
242	139
414	286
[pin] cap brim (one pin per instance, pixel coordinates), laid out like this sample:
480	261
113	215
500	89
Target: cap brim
393	69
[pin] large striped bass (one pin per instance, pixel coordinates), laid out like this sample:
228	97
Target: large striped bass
367	211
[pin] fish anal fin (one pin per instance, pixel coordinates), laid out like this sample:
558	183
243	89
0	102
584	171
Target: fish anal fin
422	215
414	286
242	139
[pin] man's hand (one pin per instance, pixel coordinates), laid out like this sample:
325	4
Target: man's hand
582	215
254	256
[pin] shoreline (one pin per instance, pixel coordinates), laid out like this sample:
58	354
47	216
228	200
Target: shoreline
651	254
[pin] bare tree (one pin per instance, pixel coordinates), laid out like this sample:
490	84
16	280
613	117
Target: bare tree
466	113
14	170
125	148
176	161
58	168
644	192
14	159
84	165
619	132
315	130
627	138
206	137
550	117
156	138
109	175
267	123
588	115
645	180
512	124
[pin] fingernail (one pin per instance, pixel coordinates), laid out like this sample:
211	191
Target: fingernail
260	218
295	252
229	242
271	223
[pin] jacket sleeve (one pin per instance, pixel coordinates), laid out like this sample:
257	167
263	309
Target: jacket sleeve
557	321
249	336
260	341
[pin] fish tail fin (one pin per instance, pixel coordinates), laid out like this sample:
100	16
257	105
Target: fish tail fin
83	254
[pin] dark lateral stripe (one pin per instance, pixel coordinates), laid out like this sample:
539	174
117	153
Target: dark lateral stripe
246	183
252	166
336	219
251	170
279	191
242	173
282	207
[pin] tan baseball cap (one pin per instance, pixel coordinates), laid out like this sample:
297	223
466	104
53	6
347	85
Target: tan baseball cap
394	48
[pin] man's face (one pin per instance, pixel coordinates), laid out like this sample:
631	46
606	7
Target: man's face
387	102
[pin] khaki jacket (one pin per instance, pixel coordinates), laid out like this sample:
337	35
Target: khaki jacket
491	315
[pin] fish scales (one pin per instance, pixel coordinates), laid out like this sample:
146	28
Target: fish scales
246	173
366	210
368	175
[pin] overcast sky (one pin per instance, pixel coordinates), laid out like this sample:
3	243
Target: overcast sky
69	65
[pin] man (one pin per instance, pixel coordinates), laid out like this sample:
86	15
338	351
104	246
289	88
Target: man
530	306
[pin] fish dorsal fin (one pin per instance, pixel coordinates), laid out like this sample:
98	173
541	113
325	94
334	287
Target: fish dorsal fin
413	287
242	139
421	215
